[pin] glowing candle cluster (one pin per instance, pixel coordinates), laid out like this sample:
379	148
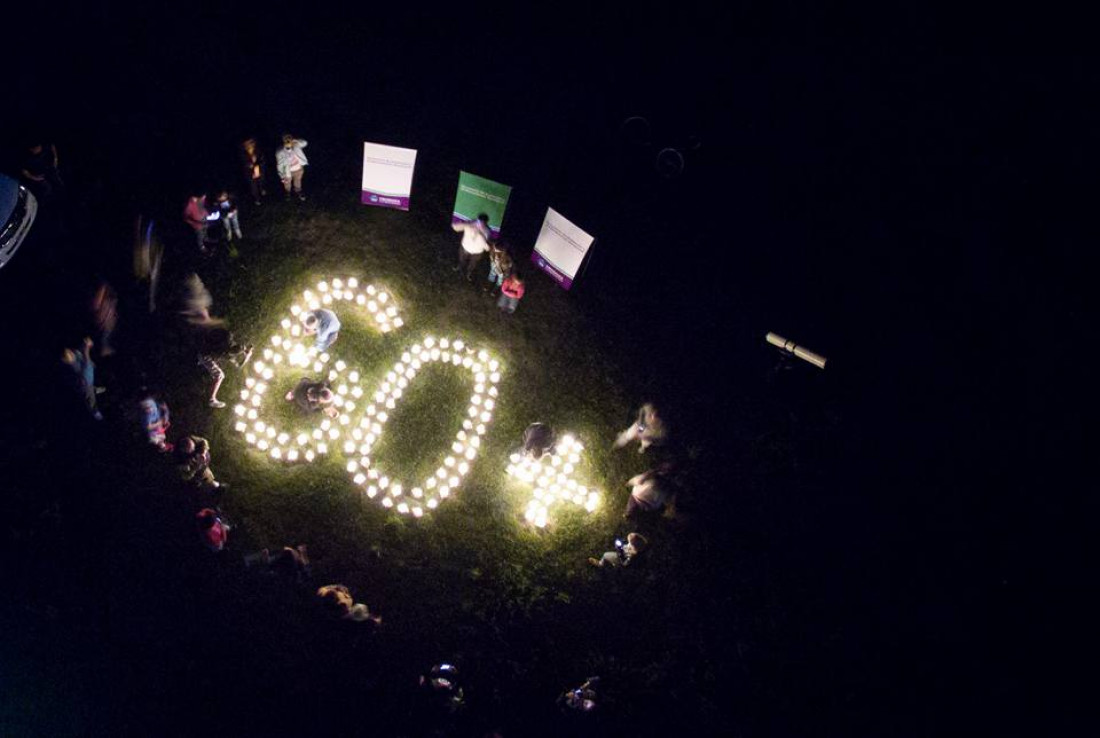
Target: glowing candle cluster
288	349
551	477
362	415
455	466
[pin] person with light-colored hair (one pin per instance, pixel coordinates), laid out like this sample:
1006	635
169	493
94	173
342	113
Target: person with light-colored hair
647	430
324	324
291	163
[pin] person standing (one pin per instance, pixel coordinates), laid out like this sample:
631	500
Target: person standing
511	291
197	216
84	375
475	242
500	268
252	161
230	218
290	162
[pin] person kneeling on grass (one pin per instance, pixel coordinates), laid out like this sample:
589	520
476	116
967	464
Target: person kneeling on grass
338	602
647	430
324	324
650	490
157	421
291	562
538	440
193	463
312	396
624	553
511	291
212	529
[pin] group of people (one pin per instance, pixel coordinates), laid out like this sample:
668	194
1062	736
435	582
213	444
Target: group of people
504	281
201	212
216	345
650	491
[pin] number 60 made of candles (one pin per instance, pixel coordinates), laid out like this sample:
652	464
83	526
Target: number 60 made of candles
364	411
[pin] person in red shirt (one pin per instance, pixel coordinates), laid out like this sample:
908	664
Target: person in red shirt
212	529
511	290
196	215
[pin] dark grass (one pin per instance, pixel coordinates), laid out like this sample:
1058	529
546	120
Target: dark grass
515	606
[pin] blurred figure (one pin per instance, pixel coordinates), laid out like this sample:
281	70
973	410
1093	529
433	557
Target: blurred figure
312	396
255	168
324	324
500	268
338	603
648	429
195	302
217	344
104	307
291	163
80	362
582	699
441	686
39	169
198	218
538	440
156	420
624	553
291	562
475	242
193	463
230	218
212	529
649	491
511	292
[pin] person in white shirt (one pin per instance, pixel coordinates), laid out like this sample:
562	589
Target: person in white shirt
475	243
290	162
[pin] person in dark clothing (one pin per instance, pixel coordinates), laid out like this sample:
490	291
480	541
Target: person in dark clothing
254	167
312	396
39	169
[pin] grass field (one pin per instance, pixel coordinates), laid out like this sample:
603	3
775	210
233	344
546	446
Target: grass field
517	607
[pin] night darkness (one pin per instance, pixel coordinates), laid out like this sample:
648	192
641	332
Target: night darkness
865	550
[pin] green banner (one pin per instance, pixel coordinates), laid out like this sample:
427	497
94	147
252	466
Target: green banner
477	195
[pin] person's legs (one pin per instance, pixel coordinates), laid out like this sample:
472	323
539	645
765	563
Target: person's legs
286	186
200	238
471	265
296	177
254	188
235	221
507	304
216	372
463	259
228	228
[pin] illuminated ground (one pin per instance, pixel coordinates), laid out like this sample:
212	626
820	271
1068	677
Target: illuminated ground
470	582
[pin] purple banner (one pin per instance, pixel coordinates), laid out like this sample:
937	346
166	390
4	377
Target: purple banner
385	201
542	263
494	233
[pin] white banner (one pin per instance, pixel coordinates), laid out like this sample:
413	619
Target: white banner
560	248
387	175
